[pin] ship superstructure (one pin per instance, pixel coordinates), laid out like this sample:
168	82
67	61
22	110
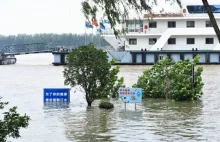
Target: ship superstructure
183	29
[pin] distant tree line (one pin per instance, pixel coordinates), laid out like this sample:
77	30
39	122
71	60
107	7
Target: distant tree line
54	40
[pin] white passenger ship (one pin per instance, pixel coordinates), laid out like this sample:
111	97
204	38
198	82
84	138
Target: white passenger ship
179	34
176	32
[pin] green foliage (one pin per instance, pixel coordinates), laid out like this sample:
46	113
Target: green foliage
170	80
11	123
106	105
117	11
119	83
113	83
89	68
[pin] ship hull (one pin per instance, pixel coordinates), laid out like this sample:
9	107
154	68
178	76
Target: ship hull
152	57
207	57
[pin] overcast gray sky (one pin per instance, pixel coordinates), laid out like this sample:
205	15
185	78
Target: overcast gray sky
47	16
41	16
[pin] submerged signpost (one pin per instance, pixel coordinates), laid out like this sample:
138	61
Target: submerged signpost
56	95
130	95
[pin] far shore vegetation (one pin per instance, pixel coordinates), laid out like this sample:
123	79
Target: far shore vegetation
68	40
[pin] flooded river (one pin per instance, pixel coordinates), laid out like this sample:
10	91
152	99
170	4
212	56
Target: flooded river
22	85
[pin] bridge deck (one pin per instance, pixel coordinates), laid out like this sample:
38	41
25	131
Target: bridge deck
32	48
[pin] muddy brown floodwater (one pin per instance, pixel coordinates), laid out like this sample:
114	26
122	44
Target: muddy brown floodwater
22	85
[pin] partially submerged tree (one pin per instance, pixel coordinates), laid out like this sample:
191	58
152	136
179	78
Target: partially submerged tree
170	80
89	68
11	123
117	11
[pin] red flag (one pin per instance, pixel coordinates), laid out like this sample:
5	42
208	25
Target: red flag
95	23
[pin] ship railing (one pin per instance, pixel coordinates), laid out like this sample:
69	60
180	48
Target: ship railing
154	31
200	15
147	31
189	47
108	32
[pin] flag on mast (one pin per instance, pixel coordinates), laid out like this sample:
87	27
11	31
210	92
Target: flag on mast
88	25
95	23
101	26
106	21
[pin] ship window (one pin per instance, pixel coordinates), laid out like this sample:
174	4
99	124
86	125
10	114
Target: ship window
153	24
171	24
190	41
133	41
201	9
134	25
172	41
209	41
131	30
190	24
152	41
208	24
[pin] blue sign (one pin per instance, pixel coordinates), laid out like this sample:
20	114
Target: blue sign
130	95
56	95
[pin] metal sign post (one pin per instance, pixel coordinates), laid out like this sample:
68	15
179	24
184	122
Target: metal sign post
125	106
125	100
135	106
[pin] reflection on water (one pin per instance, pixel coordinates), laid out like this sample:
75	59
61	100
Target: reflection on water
154	120
131	115
175	120
89	125
56	105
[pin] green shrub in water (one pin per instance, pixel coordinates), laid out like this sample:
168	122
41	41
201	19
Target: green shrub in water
106	105
170	80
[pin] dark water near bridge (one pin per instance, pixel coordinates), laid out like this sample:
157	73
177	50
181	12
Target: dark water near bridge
22	85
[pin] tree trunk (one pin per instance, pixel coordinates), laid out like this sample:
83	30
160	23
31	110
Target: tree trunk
88	100
212	18
89	103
